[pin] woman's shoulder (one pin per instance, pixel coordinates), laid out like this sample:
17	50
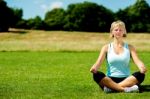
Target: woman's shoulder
105	47
131	47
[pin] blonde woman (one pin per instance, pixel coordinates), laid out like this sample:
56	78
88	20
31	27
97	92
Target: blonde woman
118	54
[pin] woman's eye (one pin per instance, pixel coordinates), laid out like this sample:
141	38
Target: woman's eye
118	30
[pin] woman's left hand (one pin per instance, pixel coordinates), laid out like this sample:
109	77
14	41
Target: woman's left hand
143	70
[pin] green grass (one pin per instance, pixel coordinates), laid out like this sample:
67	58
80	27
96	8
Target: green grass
55	64
55	75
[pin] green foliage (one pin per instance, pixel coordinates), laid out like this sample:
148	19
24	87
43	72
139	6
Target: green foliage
35	23
139	9
6	15
87	16
9	17
55	19
16	17
22	24
136	16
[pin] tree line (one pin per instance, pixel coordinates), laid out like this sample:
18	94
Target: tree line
86	16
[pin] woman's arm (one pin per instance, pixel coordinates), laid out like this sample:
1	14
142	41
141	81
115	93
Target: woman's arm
136	59
100	59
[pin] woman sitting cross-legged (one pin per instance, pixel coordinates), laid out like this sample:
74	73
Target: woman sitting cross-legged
118	54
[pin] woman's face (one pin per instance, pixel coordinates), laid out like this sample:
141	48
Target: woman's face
118	32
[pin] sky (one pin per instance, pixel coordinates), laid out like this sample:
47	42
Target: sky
33	8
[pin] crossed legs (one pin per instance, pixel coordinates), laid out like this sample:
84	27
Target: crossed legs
102	81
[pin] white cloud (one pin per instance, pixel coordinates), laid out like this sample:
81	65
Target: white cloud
51	6
56	4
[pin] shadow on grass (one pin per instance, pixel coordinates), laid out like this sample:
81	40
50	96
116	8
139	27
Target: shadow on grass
18	31
5	91
142	88
145	88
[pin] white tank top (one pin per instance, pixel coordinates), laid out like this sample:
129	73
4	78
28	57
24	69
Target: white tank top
118	64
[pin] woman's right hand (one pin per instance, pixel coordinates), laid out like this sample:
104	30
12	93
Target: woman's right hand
100	59
94	69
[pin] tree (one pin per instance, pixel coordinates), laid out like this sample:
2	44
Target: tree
6	16
136	16
17	17
87	16
55	19
35	23
140	16
124	16
22	24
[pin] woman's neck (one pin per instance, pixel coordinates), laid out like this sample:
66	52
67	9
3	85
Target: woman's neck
118	42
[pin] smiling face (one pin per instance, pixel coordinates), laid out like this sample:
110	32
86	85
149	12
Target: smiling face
118	29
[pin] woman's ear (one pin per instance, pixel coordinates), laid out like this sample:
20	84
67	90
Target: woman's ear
111	35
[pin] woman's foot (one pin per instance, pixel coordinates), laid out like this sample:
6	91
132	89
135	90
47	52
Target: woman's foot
133	88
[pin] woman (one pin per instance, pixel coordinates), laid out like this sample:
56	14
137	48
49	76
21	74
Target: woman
118	54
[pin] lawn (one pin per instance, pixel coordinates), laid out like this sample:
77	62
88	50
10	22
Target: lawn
55	75
55	64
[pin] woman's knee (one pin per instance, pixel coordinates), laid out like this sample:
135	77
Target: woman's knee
98	76
139	76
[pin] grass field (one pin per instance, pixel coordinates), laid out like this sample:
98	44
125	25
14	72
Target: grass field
31	40
54	75
55	65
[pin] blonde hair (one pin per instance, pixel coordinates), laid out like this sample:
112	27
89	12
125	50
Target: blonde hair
120	24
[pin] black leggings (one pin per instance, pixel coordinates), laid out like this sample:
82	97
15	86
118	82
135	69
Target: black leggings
100	75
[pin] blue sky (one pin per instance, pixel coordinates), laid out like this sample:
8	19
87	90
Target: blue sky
32	8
